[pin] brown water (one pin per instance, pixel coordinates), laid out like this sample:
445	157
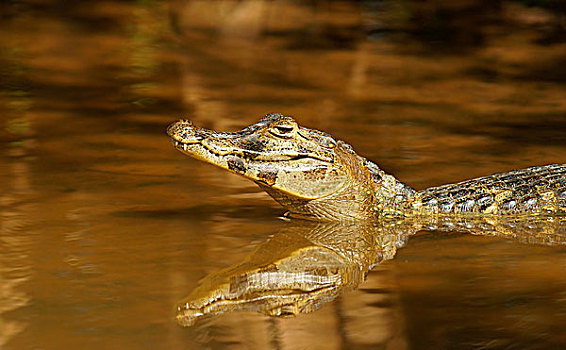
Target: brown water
105	227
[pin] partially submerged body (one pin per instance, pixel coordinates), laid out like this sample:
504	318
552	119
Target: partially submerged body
317	177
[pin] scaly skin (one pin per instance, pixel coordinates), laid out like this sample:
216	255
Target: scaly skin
316	177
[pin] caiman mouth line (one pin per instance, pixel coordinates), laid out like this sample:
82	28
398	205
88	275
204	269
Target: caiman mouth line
220	302
184	146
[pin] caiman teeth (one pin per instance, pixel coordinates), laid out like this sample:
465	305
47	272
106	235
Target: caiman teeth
182	145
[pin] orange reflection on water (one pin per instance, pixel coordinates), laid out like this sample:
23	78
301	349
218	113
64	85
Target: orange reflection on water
105	226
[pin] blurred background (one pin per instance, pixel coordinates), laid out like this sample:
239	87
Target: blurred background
104	226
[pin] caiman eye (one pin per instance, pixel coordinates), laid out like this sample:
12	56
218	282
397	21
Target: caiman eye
283	130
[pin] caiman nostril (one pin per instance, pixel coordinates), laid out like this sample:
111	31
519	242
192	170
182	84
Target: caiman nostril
178	127
172	128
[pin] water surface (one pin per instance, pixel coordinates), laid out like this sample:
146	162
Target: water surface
105	227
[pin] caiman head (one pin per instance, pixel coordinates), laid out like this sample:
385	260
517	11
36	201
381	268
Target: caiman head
307	171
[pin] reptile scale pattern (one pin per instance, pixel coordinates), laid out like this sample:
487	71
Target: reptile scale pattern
535	190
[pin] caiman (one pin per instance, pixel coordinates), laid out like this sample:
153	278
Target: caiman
317	177
368	214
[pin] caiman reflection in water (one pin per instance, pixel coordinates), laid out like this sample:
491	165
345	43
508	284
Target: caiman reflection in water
296	271
309	264
322	179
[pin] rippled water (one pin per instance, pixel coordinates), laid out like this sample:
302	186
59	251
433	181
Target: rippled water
105	227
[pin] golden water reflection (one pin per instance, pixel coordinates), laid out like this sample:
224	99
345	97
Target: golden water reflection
307	265
104	227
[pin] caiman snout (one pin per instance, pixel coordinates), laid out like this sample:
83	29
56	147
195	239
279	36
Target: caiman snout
185	132
178	126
